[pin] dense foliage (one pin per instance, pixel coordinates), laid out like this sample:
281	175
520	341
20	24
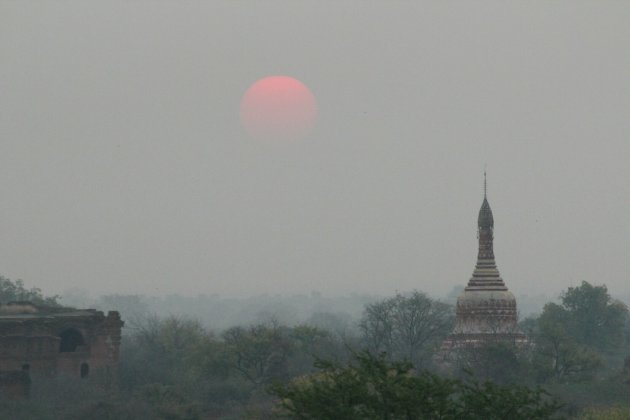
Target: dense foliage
574	338
374	388
593	317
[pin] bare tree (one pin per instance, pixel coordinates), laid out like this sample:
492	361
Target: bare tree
406	326
377	326
258	352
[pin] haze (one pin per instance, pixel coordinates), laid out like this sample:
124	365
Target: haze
124	167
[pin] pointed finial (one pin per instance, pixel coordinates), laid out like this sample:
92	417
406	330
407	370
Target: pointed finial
485	183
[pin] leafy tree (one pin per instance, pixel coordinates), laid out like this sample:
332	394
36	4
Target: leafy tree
374	388
558	354
16	291
406	326
569	335
488	400
593	317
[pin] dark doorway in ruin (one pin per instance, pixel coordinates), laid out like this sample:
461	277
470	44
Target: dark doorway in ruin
85	370
70	340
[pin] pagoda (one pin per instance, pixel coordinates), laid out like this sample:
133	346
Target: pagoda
486	309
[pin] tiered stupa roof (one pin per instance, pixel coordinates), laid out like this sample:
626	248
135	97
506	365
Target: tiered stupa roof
486	305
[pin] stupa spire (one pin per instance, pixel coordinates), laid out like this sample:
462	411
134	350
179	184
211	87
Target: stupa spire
485	184
486	275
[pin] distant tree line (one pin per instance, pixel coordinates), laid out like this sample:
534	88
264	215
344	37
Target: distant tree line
381	367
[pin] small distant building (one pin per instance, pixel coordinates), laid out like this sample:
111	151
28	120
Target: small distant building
486	309
47	341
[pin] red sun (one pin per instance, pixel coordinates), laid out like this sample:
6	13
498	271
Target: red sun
278	108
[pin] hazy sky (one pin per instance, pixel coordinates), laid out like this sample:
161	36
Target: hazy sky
124	167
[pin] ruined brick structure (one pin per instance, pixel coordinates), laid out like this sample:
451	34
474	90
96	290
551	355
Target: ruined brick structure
48	341
486	309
